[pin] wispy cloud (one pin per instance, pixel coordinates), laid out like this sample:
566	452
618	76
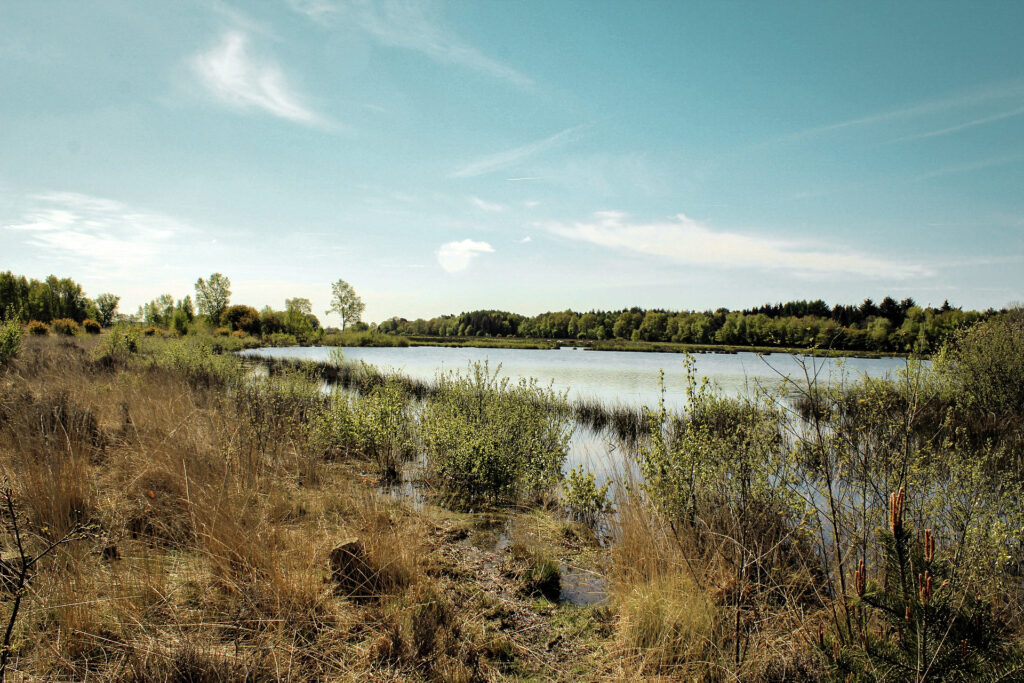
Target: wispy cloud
406	24
972	166
242	80
102	235
1018	111
509	157
456	256
686	241
525	240
490	207
977	96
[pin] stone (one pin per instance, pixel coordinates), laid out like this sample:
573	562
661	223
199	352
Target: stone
349	569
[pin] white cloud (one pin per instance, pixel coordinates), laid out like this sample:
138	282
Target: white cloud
483	205
404	24
99	234
686	241
456	256
526	240
237	78
508	157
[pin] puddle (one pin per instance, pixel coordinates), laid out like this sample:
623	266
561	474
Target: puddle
491	532
581	587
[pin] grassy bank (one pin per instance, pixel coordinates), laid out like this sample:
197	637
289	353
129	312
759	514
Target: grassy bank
626	345
193	522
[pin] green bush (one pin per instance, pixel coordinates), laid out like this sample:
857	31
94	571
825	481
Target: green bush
37	328
487	438
587	502
222	331
378	425
91	326
10	341
120	342
384	423
65	326
282	339
198	361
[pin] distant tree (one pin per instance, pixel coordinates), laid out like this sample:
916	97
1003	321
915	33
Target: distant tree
241	317
107	305
346	303
213	296
298	305
891	311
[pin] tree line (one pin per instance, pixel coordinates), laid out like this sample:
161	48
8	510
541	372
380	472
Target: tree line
25	300
890	325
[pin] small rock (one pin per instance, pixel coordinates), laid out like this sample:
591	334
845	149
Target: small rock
350	570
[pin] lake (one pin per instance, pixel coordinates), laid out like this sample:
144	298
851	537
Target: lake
626	377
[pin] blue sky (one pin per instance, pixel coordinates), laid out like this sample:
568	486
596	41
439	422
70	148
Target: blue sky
521	155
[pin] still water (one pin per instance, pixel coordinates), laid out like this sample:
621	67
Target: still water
628	378
614	377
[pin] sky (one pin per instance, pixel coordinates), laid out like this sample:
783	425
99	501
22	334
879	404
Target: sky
519	155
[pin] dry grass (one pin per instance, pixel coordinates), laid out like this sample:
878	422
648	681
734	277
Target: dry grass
210	529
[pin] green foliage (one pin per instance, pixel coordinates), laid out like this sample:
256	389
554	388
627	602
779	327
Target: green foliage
892	327
346	303
919	619
37	328
179	322
45	300
213	296
983	368
150	331
10	341
378	425
198	359
587	502
487	438
349	338
106	303
282	339
65	326
91	326
724	454
239	317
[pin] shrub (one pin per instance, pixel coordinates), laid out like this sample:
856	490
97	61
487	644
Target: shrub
283	339
222	331
488	438
384	424
240	334
65	326
121	341
37	328
240	317
10	341
150	331
91	326
587	502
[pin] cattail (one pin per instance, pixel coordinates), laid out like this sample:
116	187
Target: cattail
821	636
860	578
945	585
924	583
929	546
907	615
864	640
835	650
896	502
963	649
